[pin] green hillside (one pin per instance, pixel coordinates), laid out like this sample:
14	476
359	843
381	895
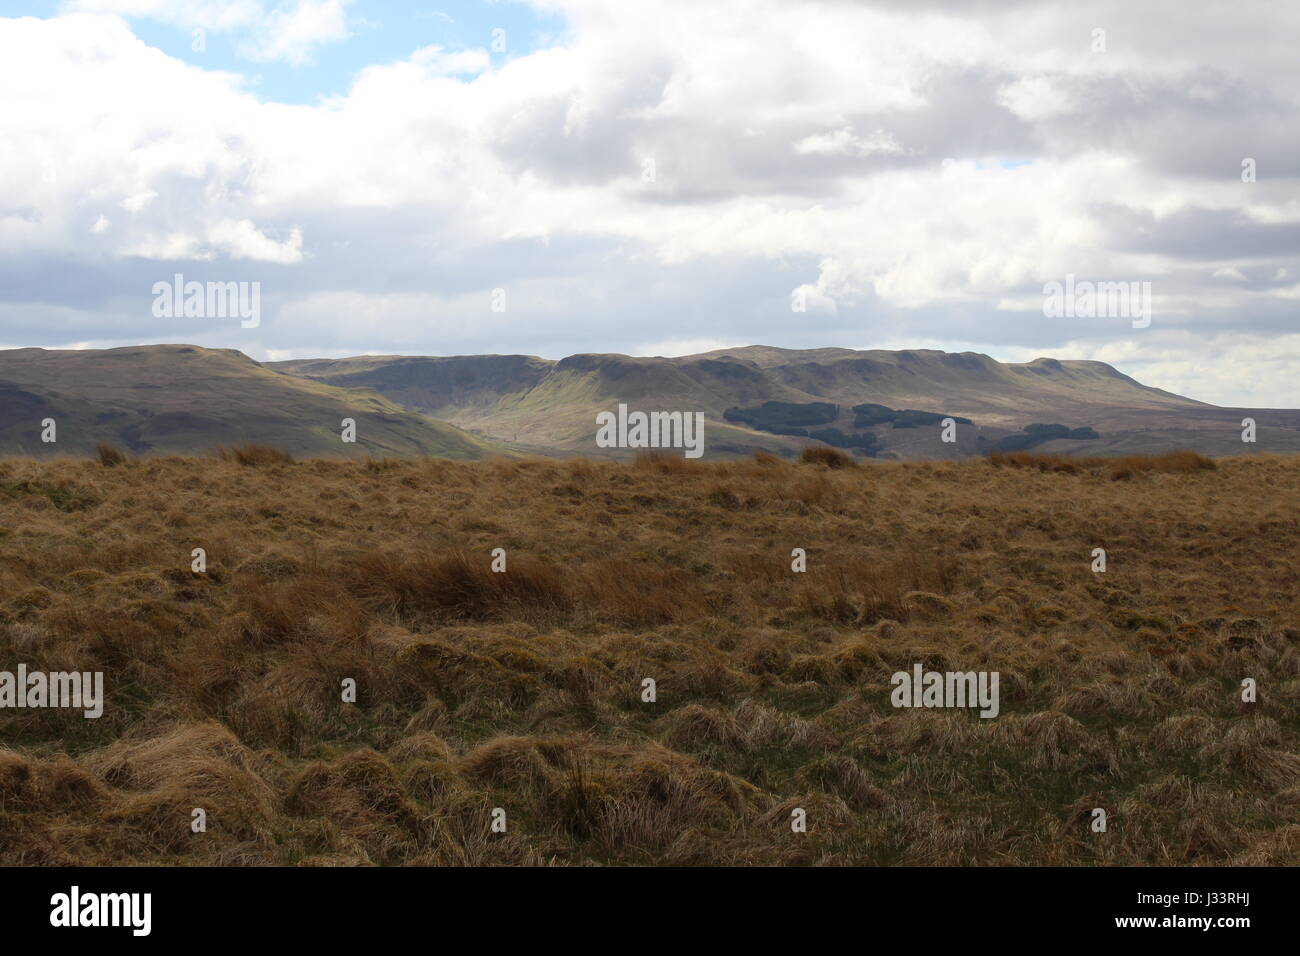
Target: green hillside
182	399
547	405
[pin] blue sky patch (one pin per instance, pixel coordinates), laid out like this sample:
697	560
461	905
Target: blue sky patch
380	31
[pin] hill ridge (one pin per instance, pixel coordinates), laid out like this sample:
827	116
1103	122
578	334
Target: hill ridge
179	398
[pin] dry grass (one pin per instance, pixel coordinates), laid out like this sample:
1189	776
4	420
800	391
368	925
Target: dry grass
523	689
825	455
1117	468
109	456
256	456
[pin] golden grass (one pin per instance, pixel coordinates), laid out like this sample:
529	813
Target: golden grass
256	456
109	456
1117	468
826	455
523	690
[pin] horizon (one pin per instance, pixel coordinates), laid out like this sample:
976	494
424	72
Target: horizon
733	348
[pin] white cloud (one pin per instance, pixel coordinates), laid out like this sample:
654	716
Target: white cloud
289	30
857	153
437	60
845	142
1035	98
216	14
138	201
293	33
672	348
170	247
242	240
1249	371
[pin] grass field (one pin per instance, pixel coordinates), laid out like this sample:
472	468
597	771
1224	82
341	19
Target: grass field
523	690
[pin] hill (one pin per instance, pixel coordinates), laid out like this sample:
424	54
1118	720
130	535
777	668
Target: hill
550	406
182	399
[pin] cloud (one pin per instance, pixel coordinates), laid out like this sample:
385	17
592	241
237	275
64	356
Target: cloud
671	173
289	30
1228	272
1249	371
845	142
242	240
1036	98
293	33
213	14
672	348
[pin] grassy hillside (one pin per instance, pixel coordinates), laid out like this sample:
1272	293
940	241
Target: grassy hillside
551	406
182	399
179	399
523	690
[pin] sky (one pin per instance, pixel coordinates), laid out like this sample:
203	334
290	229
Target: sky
660	178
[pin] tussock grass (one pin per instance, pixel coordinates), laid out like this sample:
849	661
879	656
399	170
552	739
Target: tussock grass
1117	468
257	456
523	690
668	463
1174	462
455	586
825	455
109	456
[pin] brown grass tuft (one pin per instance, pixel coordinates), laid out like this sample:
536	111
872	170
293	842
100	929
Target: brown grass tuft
255	456
826	455
1117	469
664	463
109	456
454	585
1171	463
